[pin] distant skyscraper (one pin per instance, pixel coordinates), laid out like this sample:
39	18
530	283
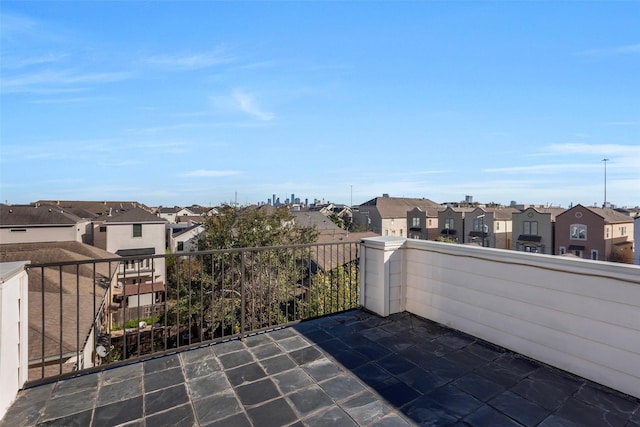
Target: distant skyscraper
293	198
274	199
468	199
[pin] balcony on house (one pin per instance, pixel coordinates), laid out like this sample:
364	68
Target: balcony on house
431	334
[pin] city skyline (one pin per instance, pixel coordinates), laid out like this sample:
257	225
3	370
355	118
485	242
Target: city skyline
172	103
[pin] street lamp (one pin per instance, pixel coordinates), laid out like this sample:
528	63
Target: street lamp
482	229
605	182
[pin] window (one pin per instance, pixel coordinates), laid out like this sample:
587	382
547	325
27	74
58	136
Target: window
21	230
429	222
594	254
137	230
401	232
530	228
623	231
477	224
449	223
563	250
416	222
103	229
607	232
180	246
578	232
497	225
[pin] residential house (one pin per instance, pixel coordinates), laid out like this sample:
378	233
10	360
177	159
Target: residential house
137	236
451	221
41	223
387	216
595	233
185	239
533	230
173	214
489	227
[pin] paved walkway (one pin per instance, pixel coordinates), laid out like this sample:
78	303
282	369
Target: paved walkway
351	369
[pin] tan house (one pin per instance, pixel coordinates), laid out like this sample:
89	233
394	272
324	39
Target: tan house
387	216
489	227
595	233
533	230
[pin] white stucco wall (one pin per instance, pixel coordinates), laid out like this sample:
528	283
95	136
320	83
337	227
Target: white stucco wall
578	315
14	324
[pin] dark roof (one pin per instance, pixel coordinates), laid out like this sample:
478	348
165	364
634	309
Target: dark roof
135	252
34	215
97	207
611	216
315	218
181	231
501	213
143	288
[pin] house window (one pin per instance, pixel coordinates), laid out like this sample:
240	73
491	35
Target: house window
103	229
137	230
530	228
594	254
623	231
429	222
497	225
416	222
607	232
563	250
449	223
401	232
477	224
180	246
578	232
21	230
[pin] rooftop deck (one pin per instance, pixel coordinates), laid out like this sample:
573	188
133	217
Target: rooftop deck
348	369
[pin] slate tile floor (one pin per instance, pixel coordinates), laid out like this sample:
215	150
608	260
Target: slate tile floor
350	369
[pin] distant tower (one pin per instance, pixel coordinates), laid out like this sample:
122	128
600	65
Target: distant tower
293	198
468	199
306	202
269	201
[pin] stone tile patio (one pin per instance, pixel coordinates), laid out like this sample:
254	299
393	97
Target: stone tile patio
349	369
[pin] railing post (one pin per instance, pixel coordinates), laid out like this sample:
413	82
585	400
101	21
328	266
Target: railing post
243	298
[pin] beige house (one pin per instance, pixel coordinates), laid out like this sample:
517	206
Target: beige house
387	216
533	230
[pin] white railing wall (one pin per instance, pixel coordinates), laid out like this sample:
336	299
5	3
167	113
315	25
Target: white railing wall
14	324
578	315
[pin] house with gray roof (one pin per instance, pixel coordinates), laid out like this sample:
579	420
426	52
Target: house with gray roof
41	223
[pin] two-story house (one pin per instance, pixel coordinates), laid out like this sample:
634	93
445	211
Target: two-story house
173	214
136	235
595	233
451	223
489	227
387	216
533	230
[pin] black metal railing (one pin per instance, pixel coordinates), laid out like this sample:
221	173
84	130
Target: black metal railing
90	313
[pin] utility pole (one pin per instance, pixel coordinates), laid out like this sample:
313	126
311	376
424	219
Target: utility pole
605	182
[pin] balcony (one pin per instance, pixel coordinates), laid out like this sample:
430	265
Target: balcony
440	334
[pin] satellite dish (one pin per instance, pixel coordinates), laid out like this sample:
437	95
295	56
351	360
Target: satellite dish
102	352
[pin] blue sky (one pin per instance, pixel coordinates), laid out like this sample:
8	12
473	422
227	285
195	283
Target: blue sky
175	103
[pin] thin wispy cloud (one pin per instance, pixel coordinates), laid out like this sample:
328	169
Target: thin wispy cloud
248	104
543	169
192	61
13	62
595	149
203	173
52	81
631	49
